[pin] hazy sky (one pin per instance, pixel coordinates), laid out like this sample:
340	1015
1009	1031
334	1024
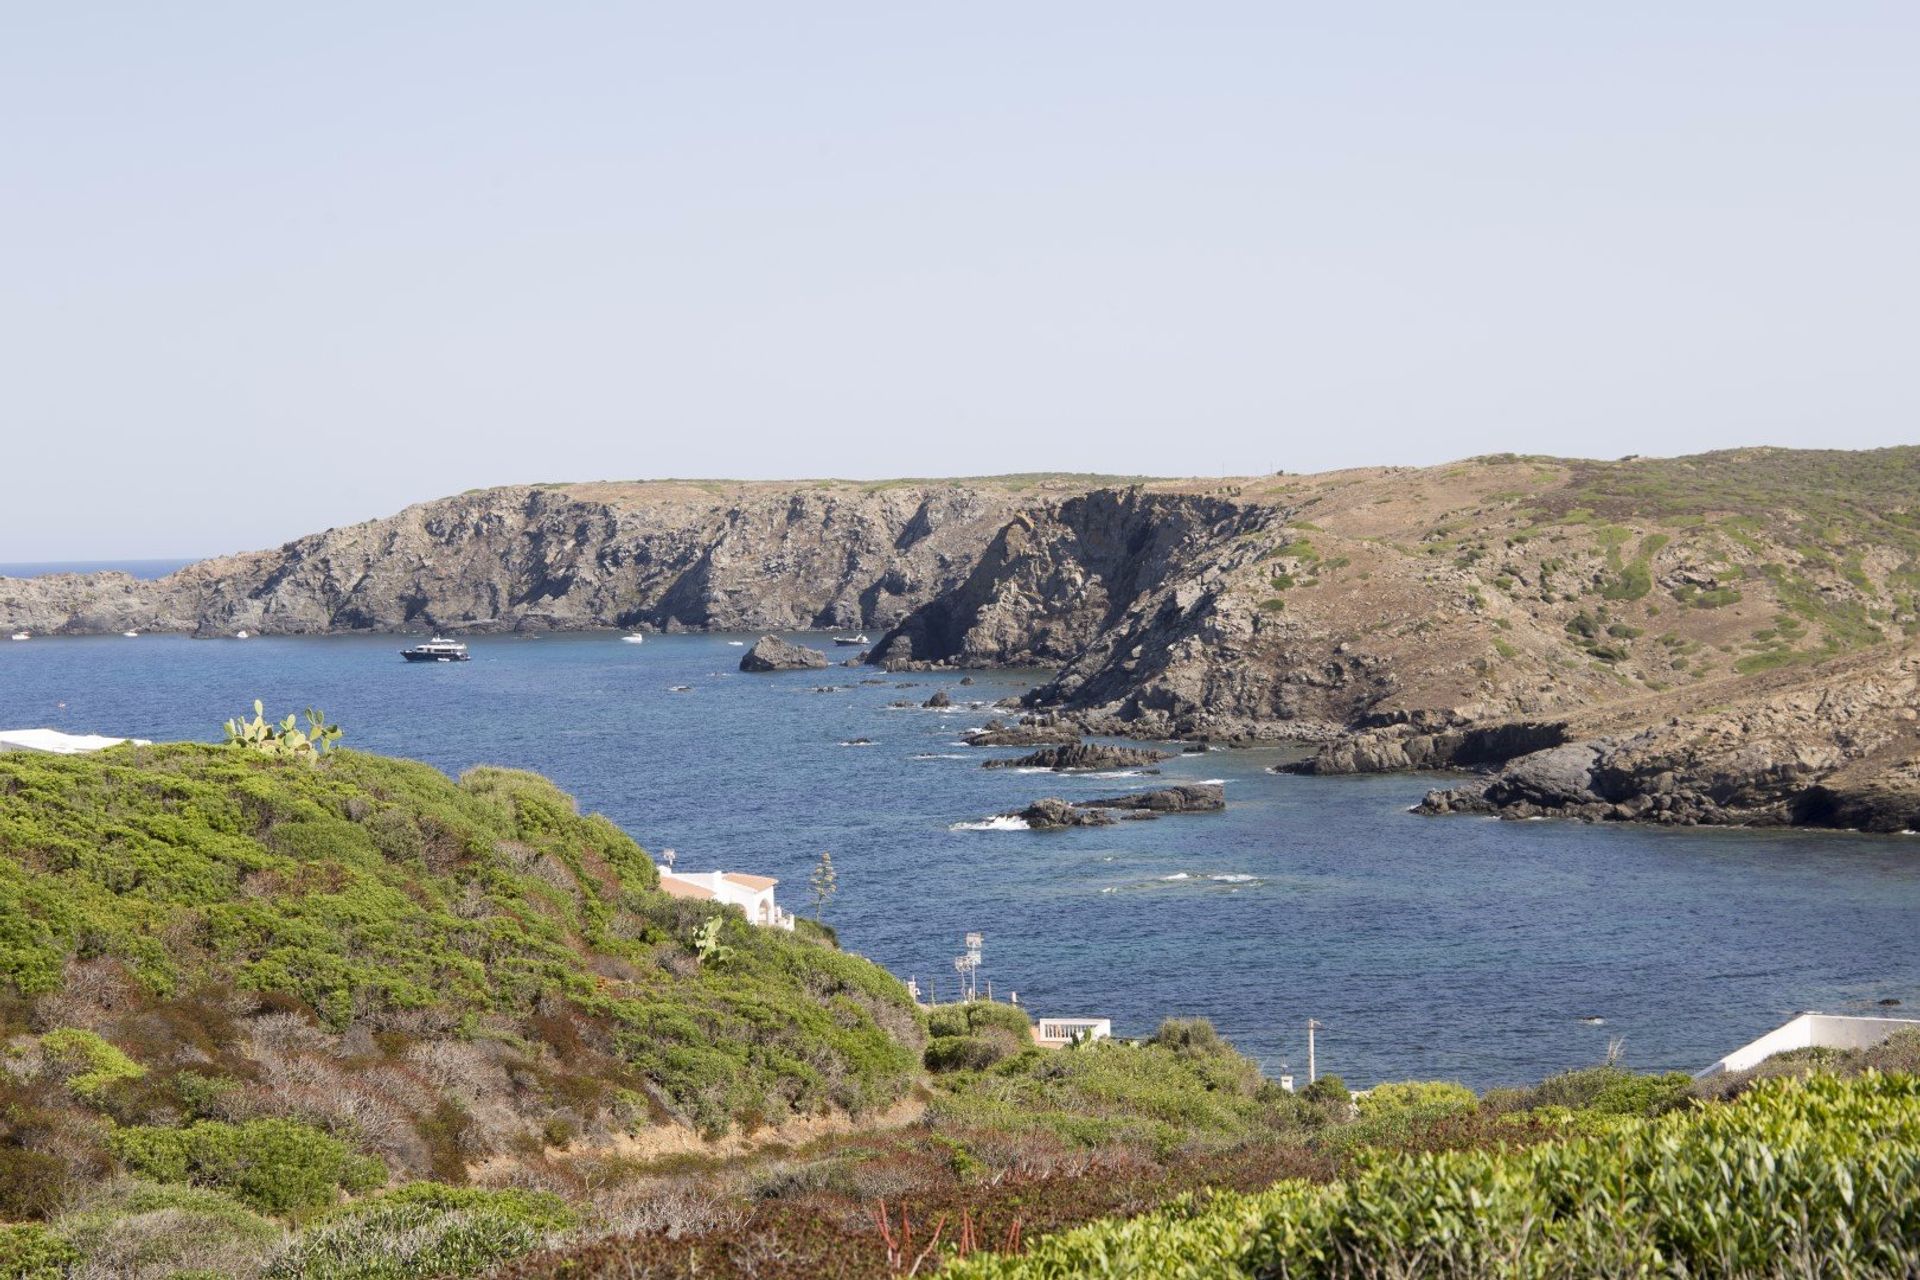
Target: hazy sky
268	268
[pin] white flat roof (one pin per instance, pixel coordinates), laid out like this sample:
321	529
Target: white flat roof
57	743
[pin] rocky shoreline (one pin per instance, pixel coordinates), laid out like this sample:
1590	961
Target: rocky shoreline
1728	638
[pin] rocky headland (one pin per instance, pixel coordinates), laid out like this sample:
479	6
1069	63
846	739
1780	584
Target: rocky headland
1727	637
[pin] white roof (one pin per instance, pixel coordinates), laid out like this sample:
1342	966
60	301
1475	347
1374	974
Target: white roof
58	743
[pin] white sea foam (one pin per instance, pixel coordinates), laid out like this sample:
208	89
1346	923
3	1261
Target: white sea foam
1115	773
856	744
1178	875
1001	822
738	644
1232	878
936	755
1108	889
1211	782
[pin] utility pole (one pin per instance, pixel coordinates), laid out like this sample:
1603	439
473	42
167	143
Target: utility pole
1313	1072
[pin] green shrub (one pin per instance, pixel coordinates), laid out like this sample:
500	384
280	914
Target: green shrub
143	1229
540	1210
422	1229
360	886
1327	1089
973	1016
89	1063
1419	1097
1801	1176
275	1166
29	1251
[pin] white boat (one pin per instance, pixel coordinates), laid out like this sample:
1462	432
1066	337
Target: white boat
240	635
634	638
859	639
436	650
738	644
23	635
129	634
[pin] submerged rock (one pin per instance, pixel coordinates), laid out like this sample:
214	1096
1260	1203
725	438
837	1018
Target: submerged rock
771	653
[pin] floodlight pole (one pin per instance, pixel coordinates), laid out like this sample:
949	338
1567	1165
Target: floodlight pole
1312	1066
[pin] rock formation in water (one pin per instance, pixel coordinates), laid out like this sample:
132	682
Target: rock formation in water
1053	813
1082	756
771	653
1455	616
1191	797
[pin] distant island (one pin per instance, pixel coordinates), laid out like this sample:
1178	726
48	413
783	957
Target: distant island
1724	638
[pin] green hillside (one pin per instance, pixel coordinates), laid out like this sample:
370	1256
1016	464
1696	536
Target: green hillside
280	980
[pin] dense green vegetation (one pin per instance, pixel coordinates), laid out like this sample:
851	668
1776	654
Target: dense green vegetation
267	1015
238	986
1818	1176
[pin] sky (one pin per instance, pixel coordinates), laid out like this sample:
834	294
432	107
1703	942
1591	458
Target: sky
267	269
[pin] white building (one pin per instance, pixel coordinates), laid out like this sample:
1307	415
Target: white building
54	742
1812	1031
752	894
1057	1033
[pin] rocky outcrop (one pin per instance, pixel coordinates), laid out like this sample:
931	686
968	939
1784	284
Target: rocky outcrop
1192	797
1837	747
1463	616
996	734
665	556
940	700
771	653
1052	814
1082	755
1400	747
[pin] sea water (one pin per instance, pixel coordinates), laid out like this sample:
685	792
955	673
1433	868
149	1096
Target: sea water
1463	948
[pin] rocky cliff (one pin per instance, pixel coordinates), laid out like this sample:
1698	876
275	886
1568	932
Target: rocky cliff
665	555
1455	616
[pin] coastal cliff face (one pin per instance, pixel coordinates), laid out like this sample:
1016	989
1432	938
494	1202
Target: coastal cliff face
1456	616
667	556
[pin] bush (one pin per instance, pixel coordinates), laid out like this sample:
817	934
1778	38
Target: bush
137	1230
1808	1176
31	1252
275	1166
974	1016
1327	1089
422	1229
1189	1035
89	1063
1417	1097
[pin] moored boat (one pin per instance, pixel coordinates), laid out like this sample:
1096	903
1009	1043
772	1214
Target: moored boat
436	650
859	639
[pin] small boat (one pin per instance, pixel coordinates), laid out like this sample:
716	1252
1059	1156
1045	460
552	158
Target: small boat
859	639
23	635
634	637
436	650
241	635
130	634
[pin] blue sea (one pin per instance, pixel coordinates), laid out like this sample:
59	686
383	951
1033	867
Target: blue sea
138	568
1461	948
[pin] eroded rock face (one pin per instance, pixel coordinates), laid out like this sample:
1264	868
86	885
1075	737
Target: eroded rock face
771	653
668	556
1841	750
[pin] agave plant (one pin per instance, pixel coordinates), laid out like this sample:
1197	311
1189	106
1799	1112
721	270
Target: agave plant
283	737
